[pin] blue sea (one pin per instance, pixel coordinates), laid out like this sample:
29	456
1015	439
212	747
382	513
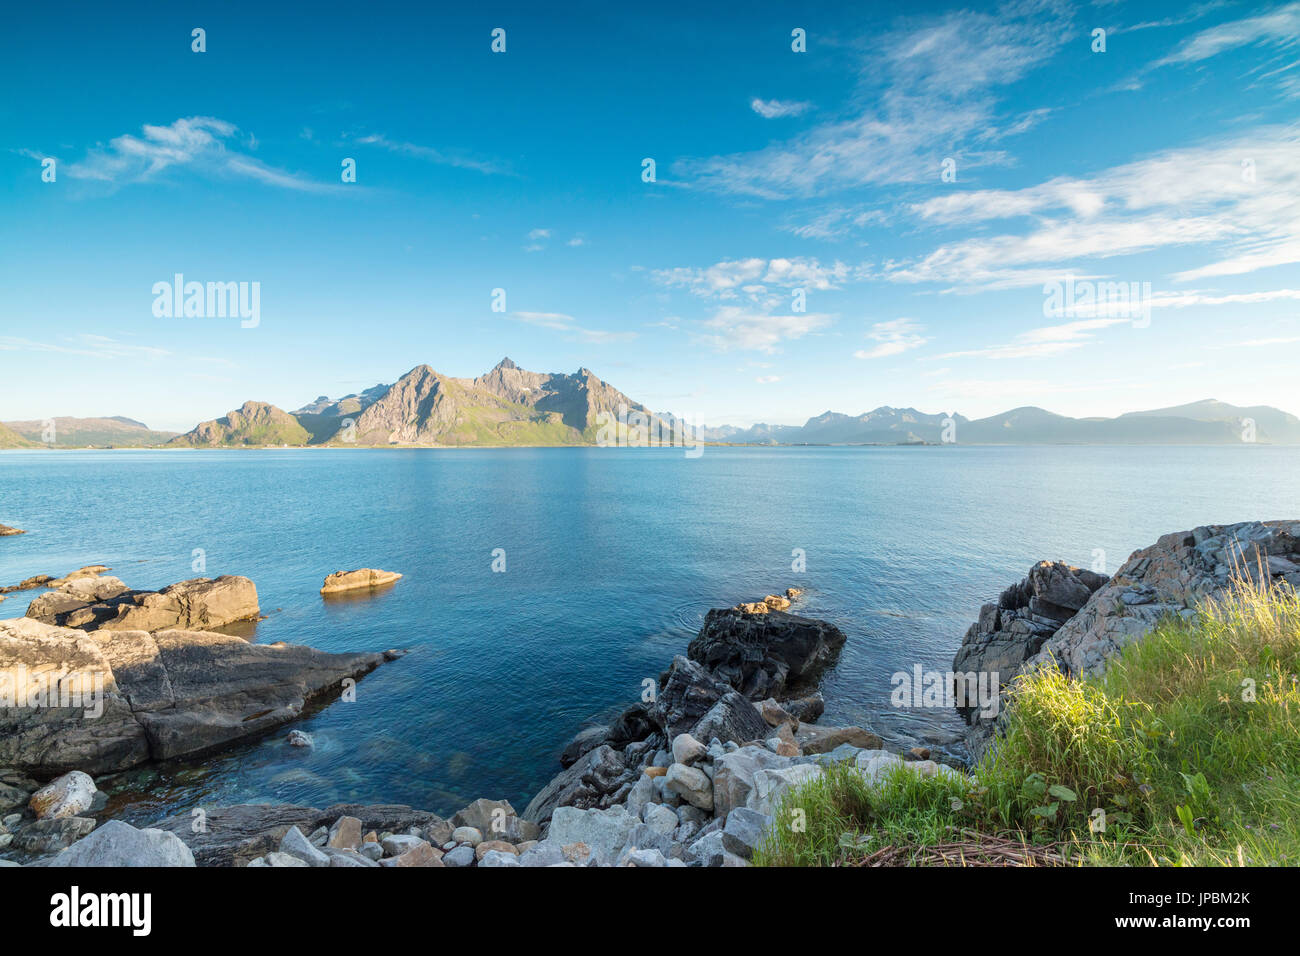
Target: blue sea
612	557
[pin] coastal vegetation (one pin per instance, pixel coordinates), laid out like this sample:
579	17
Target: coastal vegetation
1184	752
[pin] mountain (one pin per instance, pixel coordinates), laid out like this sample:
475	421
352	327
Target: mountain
113	432
255	423
505	406
1278	425
1203	423
11	439
323	416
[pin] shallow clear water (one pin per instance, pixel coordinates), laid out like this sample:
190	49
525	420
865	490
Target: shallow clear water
613	556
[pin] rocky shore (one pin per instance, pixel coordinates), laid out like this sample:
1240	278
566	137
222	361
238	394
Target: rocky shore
1076	620
691	775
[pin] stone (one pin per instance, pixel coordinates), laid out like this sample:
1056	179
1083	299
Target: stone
745	831
707	850
596	775
687	750
918	753
807	709
344	858
691	784
585	741
765	655
158	696
661	818
645	858
777	603
774	715
371	850
496	819
106	603
471	835
345	834
120	844
494	846
459	857
395	844
297	738
499	858
295	844
604	832
771	786
6	531
733	776
545	853
814	739
276	858
68	796
732	718
364	579
418	854
47	836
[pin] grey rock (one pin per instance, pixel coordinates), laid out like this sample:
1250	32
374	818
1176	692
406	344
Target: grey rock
499	858
765	655
295	844
745	831
460	856
120	844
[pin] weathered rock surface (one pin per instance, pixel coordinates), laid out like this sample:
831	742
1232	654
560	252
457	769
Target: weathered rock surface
120	844
766	655
163	695
68	796
1012	631
363	579
6	531
1078	620
94	603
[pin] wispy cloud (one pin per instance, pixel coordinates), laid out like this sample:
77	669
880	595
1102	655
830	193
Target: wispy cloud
84	344
933	81
200	144
560	322
778	109
755	278
438	156
1279	27
1044	342
894	338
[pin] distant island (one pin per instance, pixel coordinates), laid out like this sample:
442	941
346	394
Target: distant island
511	406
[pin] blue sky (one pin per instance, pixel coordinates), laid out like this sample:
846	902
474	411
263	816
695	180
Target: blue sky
776	171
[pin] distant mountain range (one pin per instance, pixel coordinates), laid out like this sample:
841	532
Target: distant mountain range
115	432
512	406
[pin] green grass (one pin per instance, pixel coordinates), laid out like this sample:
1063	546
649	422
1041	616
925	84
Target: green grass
1189	745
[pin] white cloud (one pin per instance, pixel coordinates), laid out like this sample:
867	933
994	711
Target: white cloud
441	157
767	379
732	278
895	337
560	322
1279	27
923	88
1197	196
1044	342
539	234
778	109
199	143
734	327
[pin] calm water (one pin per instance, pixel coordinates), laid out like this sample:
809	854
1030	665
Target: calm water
613	557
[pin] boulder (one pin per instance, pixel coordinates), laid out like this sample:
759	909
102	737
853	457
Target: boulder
68	796
771	786
363	579
597	775
766	655
105	603
295	844
120	844
687	750
733	776
745	831
732	718
162	695
48	836
604	832
686	693
496	820
6	531
583	743
691	784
